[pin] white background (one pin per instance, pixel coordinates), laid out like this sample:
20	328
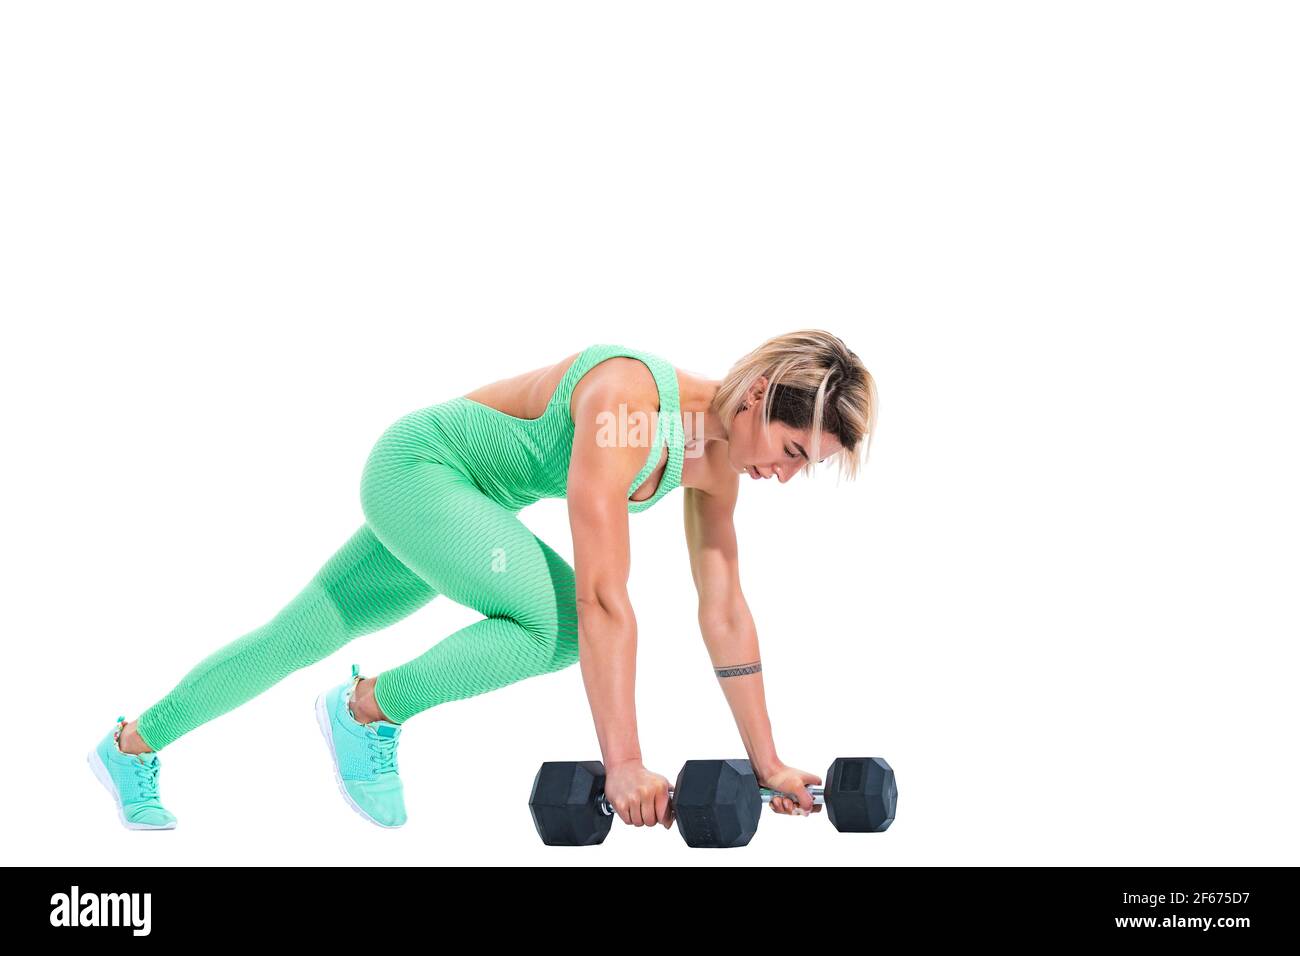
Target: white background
238	241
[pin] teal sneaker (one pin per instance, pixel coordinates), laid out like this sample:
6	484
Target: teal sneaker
364	755
132	779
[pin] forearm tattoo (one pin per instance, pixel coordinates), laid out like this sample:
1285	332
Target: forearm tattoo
738	670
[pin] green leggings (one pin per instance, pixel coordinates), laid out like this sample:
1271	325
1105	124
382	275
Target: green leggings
429	530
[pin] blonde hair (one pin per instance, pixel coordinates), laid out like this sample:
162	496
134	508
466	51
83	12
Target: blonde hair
813	381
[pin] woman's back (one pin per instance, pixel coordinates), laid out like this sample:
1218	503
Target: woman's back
514	438
526	395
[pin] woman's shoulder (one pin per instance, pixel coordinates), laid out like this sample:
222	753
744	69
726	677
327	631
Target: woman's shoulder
610	370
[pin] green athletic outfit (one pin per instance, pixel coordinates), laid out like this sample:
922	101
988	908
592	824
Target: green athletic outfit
441	491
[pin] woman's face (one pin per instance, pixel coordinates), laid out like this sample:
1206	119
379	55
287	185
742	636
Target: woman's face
780	452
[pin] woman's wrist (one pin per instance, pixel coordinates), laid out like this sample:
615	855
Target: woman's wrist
766	765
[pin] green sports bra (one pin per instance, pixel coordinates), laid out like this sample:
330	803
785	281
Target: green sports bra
516	461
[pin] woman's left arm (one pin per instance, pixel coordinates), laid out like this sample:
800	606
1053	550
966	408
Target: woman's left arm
732	639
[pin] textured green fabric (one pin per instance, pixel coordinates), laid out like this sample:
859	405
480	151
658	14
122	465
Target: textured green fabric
441	491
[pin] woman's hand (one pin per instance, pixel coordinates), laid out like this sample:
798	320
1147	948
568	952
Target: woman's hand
791	781
639	796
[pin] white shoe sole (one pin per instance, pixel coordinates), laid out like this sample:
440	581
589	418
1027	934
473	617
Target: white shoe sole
101	772
327	729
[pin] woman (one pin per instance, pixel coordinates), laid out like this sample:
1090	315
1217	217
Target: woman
441	491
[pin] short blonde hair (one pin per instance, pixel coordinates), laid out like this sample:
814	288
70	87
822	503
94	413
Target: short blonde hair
814	381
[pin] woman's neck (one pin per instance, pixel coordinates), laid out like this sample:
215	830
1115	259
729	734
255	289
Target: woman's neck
695	398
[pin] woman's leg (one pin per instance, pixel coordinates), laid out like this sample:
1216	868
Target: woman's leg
475	551
361	589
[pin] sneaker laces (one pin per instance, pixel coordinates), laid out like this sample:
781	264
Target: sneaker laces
383	750
383	753
147	773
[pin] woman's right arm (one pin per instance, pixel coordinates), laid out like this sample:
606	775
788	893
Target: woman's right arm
599	475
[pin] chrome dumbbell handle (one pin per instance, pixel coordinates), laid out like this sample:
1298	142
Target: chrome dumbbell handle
764	794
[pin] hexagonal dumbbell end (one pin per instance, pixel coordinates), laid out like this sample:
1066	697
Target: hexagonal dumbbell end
860	794
564	803
716	803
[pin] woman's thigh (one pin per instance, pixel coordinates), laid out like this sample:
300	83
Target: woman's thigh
463	544
368	586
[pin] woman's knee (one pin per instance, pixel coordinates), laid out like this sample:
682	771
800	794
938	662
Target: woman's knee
555	637
562	623
566	647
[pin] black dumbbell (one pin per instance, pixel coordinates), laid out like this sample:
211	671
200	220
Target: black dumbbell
716	803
